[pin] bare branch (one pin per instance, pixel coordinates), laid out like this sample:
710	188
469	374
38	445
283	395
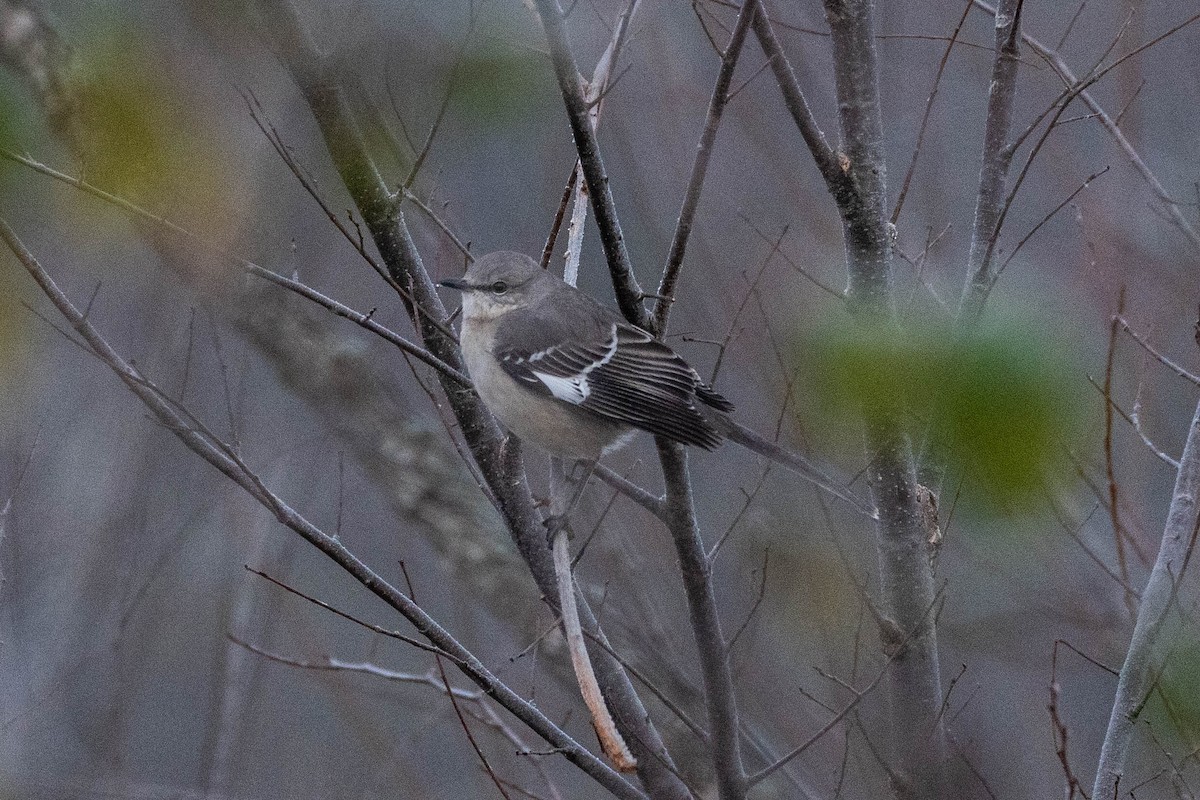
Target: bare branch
706	623
1059	65
995	161
1175	550
219	456
1159	357
859	695
797	106
937	82
628	291
1049	216
695	184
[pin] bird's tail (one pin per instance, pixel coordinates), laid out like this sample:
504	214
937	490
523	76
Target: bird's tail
792	461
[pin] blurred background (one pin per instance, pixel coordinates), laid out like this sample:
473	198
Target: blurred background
123	554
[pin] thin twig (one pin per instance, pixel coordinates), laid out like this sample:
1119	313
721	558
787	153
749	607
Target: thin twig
858	696
758	600
1053	212
1059	65
1114	505
695	184
937	82
1144	343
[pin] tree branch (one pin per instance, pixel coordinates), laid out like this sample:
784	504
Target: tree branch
995	160
1175	550
695	184
501	467
199	441
793	98
696	571
625	284
1111	125
917	735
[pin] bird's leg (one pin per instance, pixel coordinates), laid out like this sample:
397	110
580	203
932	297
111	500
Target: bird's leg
559	519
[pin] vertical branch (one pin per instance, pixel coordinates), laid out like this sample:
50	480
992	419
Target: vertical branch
691	196
1134	683
856	176
1110	470
594	95
681	515
696	570
995	161
501	467
917	735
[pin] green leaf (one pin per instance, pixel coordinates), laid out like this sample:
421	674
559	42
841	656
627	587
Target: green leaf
1000	403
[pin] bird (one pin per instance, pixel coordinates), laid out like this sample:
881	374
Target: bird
574	378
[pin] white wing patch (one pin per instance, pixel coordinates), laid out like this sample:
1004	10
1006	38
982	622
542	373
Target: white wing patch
575	389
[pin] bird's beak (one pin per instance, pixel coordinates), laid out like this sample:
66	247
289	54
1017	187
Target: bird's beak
455	283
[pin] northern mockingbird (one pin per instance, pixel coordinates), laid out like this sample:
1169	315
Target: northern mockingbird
574	378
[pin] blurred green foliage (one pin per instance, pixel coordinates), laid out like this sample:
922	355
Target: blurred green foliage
1000	403
141	138
496	85
14	338
15	110
145	138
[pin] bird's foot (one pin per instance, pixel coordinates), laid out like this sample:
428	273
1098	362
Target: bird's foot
556	524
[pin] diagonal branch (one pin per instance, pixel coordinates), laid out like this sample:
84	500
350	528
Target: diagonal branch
629	292
793	99
695	184
1141	662
501	467
1112	126
220	456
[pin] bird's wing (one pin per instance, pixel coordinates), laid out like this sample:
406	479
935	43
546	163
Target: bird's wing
618	371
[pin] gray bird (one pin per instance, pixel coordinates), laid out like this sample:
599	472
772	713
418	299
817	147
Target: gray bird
574	378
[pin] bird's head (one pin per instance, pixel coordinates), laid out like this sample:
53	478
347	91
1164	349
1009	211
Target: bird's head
498	283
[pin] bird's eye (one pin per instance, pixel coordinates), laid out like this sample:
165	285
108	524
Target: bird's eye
499	287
